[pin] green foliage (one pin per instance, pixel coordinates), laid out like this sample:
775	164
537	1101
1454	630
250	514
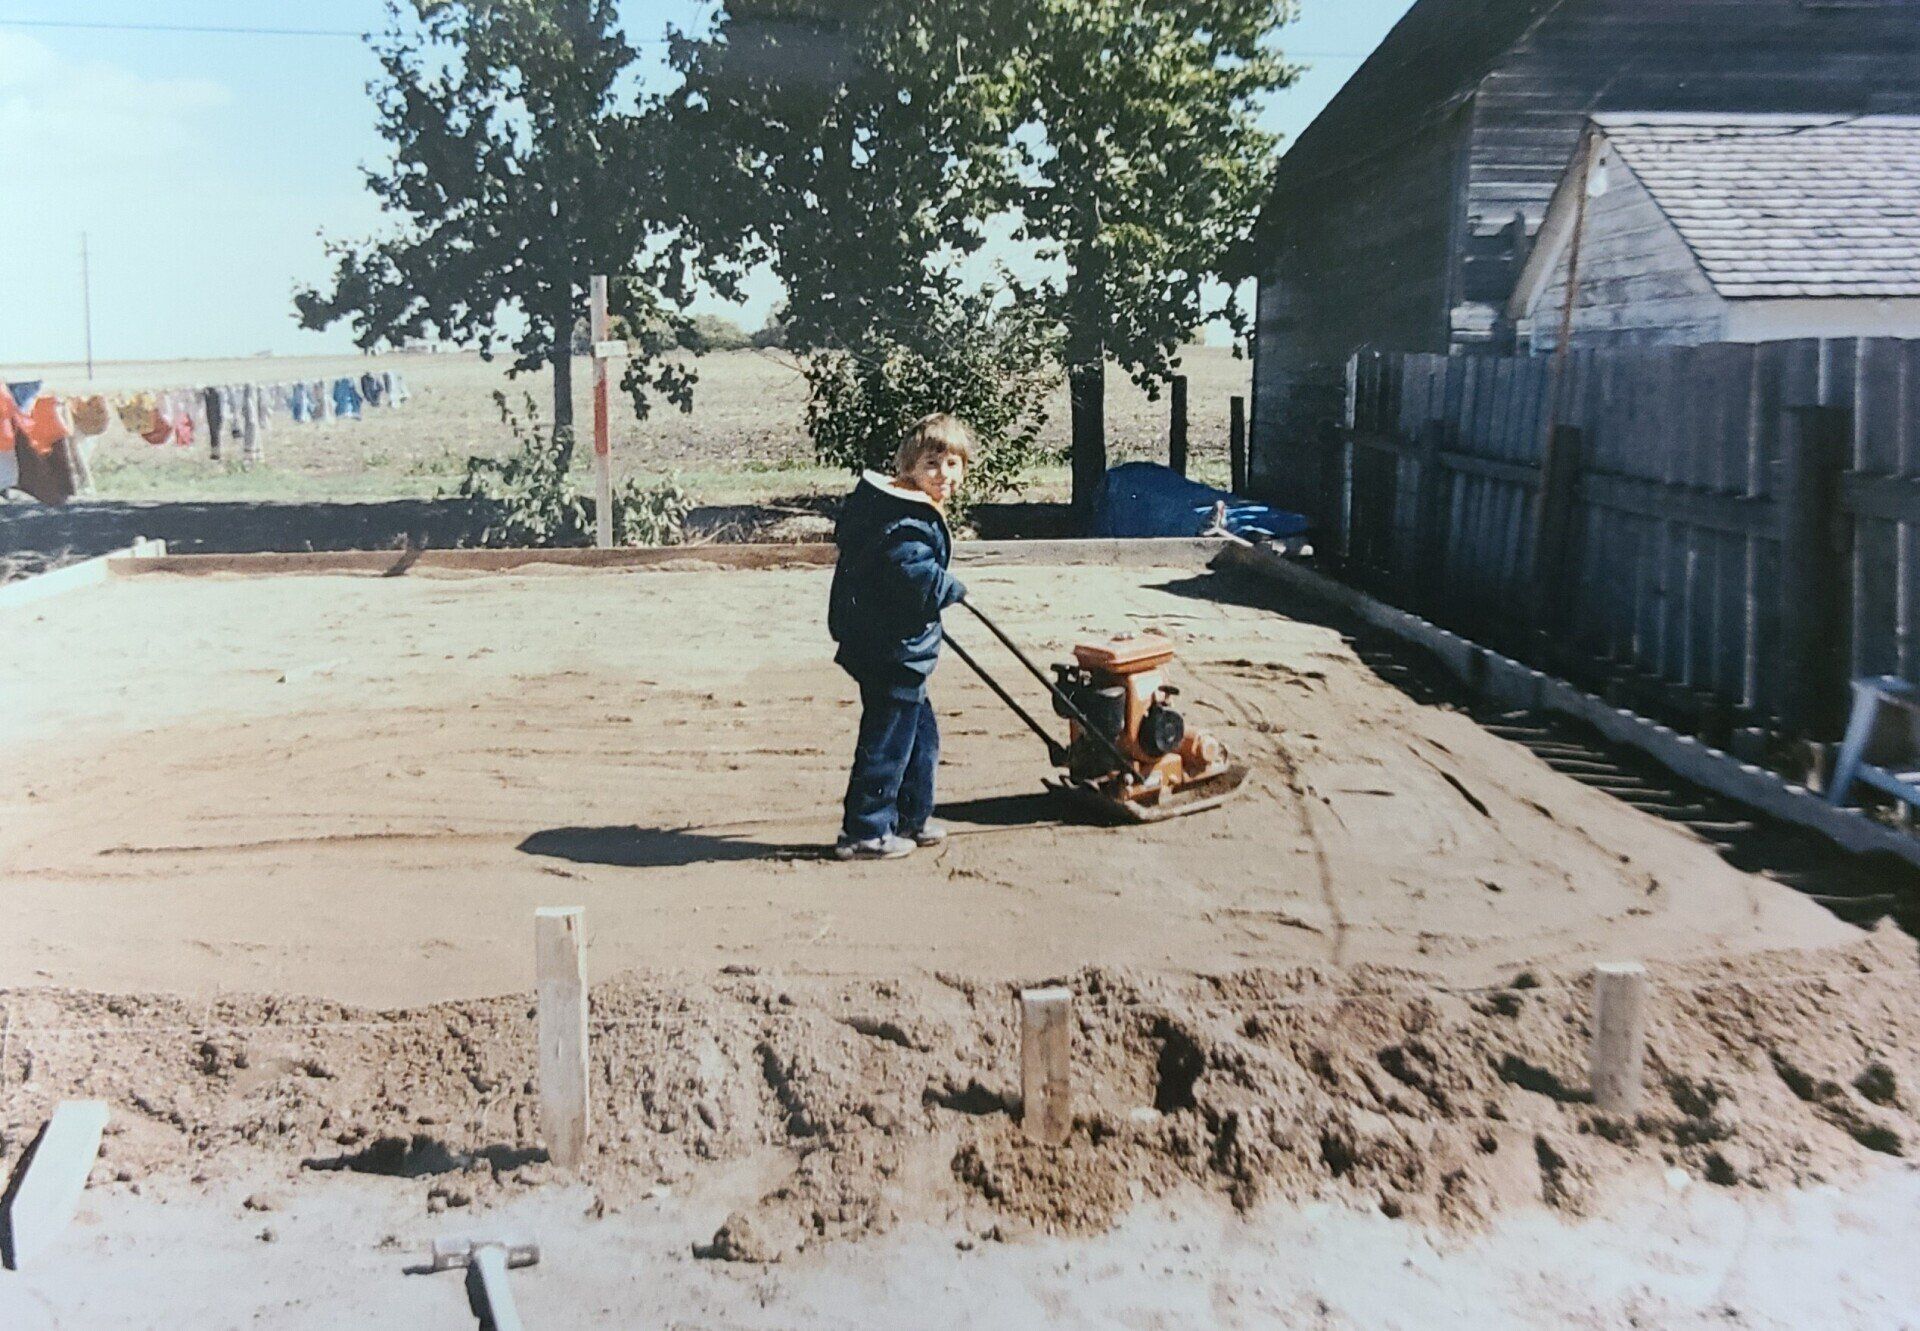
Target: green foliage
536	502
712	332
862	148
522	162
1141	158
992	367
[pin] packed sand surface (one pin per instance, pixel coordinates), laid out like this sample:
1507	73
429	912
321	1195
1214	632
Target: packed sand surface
359	788
273	845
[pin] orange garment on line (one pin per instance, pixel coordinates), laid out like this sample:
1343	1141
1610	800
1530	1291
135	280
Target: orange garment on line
13	421
47	424
159	429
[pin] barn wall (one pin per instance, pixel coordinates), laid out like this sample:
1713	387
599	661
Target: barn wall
1358	261
1358	252
1778	320
1591	56
1639	284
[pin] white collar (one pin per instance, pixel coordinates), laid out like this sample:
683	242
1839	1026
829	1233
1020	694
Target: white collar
885	485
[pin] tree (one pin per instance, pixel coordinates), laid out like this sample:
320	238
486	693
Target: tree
1142	167
847	146
867	144
521	164
841	145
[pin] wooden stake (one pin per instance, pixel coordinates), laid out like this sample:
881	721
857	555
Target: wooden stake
1619	1035
1046	1086
602	440
560	965
47	1193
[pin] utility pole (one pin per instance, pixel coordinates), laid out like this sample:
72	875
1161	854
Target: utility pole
86	302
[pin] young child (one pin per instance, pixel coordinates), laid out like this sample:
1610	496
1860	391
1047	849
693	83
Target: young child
889	586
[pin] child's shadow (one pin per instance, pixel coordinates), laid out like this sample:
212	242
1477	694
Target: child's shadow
634	847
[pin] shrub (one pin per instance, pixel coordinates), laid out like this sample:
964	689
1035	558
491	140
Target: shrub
995	368
534	503
712	332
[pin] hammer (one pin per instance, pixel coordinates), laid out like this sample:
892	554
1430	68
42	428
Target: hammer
486	1262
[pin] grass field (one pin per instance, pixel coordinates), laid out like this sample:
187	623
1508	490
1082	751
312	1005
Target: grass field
744	442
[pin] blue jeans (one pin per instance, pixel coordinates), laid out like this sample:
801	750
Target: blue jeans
891	788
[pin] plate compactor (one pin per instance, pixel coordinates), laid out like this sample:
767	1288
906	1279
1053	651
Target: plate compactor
1129	755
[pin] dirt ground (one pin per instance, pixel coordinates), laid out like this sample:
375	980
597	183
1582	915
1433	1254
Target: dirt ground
358	787
273	844
345	1251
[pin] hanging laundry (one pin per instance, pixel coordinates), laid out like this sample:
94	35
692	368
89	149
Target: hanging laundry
47	424
136	413
396	388
299	404
230	405
346	399
371	388
82	447
211	403
253	425
47	476
13	425
24	391
90	414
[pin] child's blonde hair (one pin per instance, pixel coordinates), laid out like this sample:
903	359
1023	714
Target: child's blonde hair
935	435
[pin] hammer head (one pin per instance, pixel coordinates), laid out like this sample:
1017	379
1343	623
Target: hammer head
459	1251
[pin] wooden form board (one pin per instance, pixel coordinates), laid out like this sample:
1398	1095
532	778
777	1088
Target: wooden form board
1513	684
1144	553
87	573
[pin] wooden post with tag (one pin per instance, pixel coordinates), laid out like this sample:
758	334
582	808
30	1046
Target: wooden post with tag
602	443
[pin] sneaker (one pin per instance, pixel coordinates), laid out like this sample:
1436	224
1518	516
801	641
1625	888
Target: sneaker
933	834
880	848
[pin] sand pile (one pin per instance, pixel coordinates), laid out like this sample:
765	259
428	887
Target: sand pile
865	1103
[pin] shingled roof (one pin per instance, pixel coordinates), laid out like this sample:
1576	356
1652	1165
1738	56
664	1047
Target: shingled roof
1785	206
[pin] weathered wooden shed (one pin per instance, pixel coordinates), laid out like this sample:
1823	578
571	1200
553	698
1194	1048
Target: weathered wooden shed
1684	228
1401	218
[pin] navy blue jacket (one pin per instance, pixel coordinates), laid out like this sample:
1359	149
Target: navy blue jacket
890	584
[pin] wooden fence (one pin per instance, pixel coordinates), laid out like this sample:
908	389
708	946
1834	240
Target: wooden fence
1723	534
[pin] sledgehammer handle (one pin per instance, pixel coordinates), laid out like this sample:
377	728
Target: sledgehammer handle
490	1265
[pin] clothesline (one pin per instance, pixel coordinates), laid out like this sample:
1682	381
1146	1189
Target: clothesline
47	439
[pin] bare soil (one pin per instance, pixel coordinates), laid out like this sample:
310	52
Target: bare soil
273	843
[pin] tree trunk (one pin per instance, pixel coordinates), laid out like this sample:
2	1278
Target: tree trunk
563	384
1087	379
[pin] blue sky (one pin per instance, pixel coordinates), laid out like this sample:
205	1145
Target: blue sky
204	166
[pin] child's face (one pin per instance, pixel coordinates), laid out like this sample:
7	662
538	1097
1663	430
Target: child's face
937	475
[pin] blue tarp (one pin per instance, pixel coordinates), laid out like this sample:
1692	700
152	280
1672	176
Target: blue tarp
1147	499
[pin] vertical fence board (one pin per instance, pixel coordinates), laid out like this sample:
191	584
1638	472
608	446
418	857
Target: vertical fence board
1667	554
